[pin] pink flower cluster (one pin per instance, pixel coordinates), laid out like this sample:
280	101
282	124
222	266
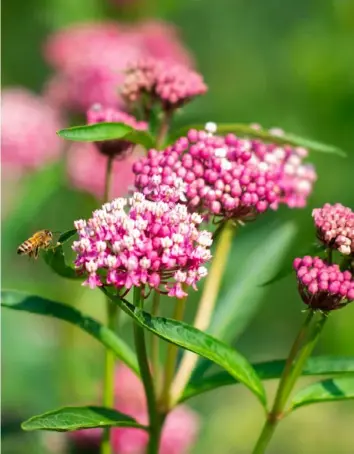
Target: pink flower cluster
87	169
89	59
28	130
296	178
153	244
171	85
214	175
178	434
335	227
119	147
323	286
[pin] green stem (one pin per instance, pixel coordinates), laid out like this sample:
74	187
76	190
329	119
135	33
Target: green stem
164	127
155	344
205	307
293	368
108	383
171	357
154	417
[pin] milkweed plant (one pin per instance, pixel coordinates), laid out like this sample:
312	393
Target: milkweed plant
189	192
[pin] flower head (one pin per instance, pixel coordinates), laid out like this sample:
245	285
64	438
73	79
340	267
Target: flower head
90	59
178	434
119	147
322	286
214	175
335	227
153	244
169	84
86	169
28	130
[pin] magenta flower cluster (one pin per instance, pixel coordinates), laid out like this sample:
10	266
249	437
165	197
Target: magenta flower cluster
172	85
323	286
295	178
335	227
153	244
214	175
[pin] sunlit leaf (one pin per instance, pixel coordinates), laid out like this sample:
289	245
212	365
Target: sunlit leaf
20	301
329	390
55	259
99	132
264	134
190	338
320	365
75	418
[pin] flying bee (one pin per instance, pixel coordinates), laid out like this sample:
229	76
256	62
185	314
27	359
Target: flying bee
40	240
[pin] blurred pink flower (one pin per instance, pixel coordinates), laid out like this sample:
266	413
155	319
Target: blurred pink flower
179	432
87	167
28	131
90	59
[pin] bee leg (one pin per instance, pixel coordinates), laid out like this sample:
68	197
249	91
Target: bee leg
35	253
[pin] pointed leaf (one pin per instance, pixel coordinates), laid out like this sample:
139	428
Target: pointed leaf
99	132
190	338
55	259
20	301
318	365
324	391
263	134
75	418
65	236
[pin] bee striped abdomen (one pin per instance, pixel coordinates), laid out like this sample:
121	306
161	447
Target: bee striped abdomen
25	247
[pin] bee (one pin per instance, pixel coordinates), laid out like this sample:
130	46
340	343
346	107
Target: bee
40	240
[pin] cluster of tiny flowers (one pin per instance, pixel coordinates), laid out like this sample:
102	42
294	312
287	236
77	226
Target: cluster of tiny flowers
295	178
214	175
25	143
171	85
117	147
179	431
153	244
335	227
90	59
323	286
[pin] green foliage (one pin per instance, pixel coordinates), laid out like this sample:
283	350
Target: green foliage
263	134
320	365
55	259
329	390
99	132
75	418
20	301
260	253
190	338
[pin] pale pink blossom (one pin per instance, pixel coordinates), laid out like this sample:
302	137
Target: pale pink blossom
28	130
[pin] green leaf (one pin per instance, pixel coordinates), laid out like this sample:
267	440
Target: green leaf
261	253
287	269
20	301
75	418
329	390
318	365
99	132
190	338
263	134
55	259
65	236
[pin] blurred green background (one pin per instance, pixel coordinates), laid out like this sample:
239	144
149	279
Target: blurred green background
286	64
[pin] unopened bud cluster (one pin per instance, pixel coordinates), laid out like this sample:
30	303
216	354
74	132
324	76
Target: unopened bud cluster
323	286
